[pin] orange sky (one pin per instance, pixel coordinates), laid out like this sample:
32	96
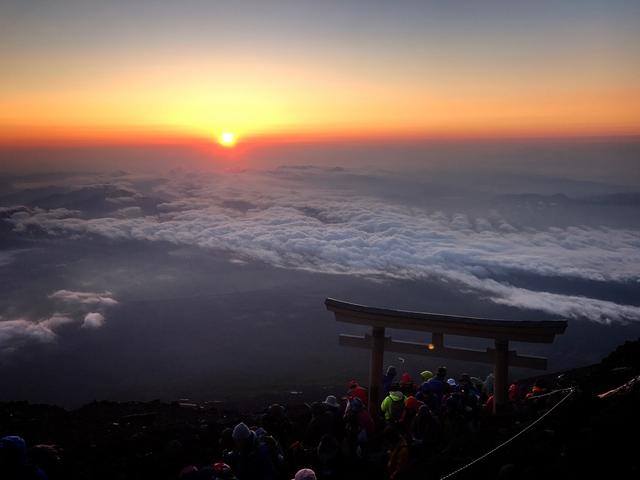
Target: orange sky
153	89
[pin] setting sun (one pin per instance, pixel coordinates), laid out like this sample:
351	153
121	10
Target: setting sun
227	139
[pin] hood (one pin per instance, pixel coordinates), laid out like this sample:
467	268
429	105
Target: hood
395	396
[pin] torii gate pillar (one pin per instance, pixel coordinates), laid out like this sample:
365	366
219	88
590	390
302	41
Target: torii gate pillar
375	369
500	375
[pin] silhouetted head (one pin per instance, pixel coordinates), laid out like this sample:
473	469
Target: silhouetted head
305	474
276	410
424	411
242	435
13	451
188	472
317	409
222	471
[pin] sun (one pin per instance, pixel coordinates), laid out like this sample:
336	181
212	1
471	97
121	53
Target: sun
227	139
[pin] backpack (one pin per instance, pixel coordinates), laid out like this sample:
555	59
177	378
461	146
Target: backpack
397	407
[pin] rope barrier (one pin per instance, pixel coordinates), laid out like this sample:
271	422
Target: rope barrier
534	397
527	428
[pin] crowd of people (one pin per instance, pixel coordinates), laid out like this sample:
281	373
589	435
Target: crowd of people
415	423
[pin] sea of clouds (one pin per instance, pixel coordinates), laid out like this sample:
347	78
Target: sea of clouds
316	219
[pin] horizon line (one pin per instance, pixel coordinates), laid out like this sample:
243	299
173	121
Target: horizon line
159	137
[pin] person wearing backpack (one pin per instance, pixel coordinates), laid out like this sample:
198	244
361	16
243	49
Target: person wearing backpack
393	406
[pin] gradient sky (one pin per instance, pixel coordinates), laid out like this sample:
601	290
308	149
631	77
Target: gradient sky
84	69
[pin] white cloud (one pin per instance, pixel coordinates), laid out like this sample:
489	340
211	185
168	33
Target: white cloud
298	220
16	333
87	298
57	320
93	320
128	212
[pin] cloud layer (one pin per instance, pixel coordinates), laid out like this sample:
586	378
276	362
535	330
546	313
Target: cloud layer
298	218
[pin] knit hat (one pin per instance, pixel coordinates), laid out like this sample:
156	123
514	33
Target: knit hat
426	375
305	474
241	432
406	378
412	403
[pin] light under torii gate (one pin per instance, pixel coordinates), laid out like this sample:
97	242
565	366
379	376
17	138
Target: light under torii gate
501	331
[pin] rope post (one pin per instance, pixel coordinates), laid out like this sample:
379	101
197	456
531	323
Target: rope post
375	370
501	376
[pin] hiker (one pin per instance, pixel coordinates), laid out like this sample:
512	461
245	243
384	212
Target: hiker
467	385
14	463
411	406
514	390
251	458
425	428
470	399
334	408
358	426
323	422
407	386
453	422
355	390
488	385
424	389
276	422
393	406
387	379
330	461
398	454
538	388
437	389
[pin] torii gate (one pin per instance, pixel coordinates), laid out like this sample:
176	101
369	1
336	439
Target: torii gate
501	331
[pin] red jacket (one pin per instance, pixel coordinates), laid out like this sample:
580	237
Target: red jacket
359	392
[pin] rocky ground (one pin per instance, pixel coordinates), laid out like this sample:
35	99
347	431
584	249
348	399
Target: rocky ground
587	435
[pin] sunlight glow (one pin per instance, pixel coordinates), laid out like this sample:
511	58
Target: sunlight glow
227	139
